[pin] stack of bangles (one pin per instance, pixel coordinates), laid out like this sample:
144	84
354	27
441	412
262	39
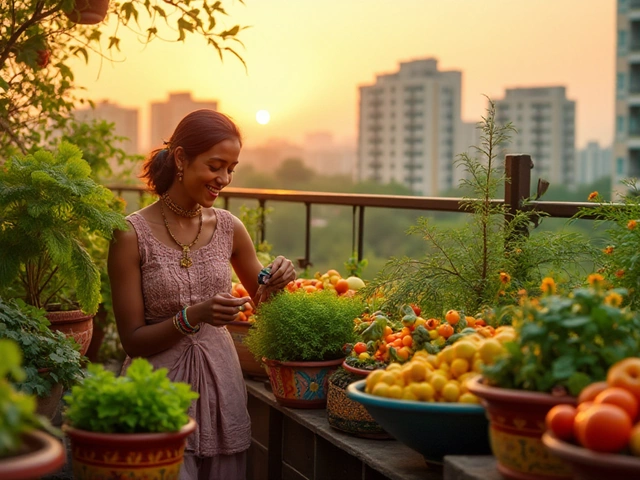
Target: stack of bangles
181	323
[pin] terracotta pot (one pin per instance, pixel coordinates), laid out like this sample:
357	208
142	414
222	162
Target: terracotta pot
250	366
348	415
73	323
301	384
88	12
589	465
134	456
43	455
516	425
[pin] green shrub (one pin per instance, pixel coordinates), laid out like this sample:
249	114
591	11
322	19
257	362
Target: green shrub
142	401
300	326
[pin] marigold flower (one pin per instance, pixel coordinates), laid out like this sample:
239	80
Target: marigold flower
614	299
595	279
632	224
505	277
548	286
620	273
592	196
522	292
608	249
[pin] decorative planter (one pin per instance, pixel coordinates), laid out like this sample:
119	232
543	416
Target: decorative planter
43	455
250	366
301	384
73	323
516	425
348	415
589	465
134	456
88	12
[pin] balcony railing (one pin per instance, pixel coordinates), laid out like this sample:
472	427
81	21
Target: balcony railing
517	169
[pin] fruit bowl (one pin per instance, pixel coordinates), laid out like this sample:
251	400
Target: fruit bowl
432	429
589	465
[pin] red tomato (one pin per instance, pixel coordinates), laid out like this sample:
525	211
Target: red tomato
626	374
620	397
560	420
590	391
603	428
416	309
360	347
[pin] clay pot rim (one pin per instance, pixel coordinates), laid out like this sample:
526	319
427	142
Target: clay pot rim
46	456
583	456
480	389
239	323
357	371
303	364
67	316
124	439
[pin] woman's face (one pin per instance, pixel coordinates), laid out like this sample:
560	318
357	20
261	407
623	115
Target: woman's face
211	171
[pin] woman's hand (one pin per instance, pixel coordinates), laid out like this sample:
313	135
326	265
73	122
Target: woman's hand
282	272
219	309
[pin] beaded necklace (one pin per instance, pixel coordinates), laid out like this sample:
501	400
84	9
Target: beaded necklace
177	209
185	261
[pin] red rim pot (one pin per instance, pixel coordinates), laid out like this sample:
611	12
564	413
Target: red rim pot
43	455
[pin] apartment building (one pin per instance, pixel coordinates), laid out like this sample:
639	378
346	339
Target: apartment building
593	162
545	123
125	122
409	126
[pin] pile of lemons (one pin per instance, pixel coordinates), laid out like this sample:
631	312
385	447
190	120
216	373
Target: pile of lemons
441	377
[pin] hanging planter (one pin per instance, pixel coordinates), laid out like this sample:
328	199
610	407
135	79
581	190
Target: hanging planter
88	12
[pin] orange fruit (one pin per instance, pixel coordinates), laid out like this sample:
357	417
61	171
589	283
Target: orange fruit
626	374
452	317
620	397
445	330
342	286
603	428
560	420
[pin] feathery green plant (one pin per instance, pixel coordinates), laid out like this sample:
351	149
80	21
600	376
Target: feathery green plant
488	259
48	206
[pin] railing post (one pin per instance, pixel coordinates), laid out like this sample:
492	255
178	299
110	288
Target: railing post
361	234
518	184
263	226
306	261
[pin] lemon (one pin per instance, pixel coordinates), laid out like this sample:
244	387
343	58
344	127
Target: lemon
490	350
433	334
355	283
468	397
418	371
465	349
433	360
395	391
448	354
423	391
459	367
380	389
438	381
364	356
451	391
373	378
391	378
393	366
407	394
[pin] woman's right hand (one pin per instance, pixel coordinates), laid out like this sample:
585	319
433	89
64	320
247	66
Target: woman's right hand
219	309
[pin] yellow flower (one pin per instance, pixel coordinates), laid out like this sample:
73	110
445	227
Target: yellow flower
595	279
608	249
592	196
548	286
620	273
632	224
614	299
505	277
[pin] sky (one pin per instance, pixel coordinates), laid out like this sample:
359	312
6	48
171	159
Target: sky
306	59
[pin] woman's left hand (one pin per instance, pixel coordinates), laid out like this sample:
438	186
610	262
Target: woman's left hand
282	272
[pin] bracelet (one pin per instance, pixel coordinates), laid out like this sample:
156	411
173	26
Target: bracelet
186	321
181	323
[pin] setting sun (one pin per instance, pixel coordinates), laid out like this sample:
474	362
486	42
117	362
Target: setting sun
263	117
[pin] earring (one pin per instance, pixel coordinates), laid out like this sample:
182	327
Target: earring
180	174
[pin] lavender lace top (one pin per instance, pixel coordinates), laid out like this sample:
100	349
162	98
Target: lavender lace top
207	360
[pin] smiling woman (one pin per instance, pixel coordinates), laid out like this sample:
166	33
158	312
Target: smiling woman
263	117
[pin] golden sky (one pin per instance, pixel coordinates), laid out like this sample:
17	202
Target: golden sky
306	59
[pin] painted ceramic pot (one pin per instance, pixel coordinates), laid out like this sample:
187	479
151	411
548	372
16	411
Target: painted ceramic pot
348	415
516	425
301	384
251	368
134	456
42	455
73	323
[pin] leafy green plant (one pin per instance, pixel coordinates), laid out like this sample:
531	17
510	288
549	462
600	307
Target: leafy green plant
354	266
42	348
142	401
17	409
565	342
48	207
300	326
487	260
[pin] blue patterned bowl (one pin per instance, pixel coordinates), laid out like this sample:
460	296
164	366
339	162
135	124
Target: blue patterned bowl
432	429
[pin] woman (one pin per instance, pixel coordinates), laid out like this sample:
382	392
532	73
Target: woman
171	281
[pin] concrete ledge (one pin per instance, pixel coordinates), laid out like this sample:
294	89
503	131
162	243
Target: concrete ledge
457	467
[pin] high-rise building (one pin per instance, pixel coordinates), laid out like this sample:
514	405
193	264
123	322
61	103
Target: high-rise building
125	122
545	123
626	143
592	163
166	115
409	122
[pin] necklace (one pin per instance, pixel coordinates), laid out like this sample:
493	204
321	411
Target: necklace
185	261
177	209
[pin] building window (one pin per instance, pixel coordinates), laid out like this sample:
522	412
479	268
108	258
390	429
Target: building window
620	125
620	85
622	6
622	42
620	166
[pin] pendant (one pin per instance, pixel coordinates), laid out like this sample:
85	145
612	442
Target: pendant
185	261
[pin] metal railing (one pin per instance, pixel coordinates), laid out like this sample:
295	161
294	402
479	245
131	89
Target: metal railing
517	189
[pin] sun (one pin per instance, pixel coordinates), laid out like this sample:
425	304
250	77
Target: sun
263	117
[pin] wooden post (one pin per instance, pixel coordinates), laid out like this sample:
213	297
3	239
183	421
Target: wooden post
518	185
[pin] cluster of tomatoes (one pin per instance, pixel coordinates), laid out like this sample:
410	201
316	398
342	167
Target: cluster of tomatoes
238	291
606	416
330	280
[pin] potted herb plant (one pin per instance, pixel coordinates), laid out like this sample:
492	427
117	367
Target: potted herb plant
48	206
25	451
51	361
134	426
563	343
300	336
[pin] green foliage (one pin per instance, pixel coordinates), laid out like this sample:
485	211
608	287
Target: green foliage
17	409
142	401
300	326
478	263
41	348
354	267
48	206
565	342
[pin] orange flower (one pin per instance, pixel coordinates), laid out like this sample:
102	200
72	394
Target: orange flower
592	196
608	249
595	279
614	299
620	273
548	286
632	224
505	277
522	292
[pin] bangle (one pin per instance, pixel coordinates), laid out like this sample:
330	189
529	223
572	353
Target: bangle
182	325
186	321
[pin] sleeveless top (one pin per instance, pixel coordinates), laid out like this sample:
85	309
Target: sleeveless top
206	360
